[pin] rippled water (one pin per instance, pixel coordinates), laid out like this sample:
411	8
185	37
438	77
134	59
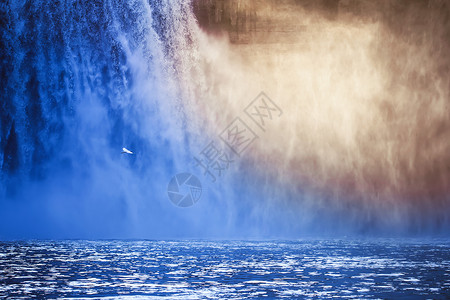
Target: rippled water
224	270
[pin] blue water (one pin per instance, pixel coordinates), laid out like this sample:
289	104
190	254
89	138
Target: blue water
386	269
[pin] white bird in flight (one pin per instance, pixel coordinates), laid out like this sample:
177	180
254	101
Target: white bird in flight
125	150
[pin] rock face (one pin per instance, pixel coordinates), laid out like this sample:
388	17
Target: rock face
11	152
271	21
259	21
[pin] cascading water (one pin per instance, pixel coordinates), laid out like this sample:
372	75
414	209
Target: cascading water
343	114
80	80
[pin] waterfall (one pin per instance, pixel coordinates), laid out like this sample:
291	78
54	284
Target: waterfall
80	80
358	143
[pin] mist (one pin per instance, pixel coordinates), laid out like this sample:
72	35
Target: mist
362	145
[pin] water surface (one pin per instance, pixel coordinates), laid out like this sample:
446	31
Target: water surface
226	269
